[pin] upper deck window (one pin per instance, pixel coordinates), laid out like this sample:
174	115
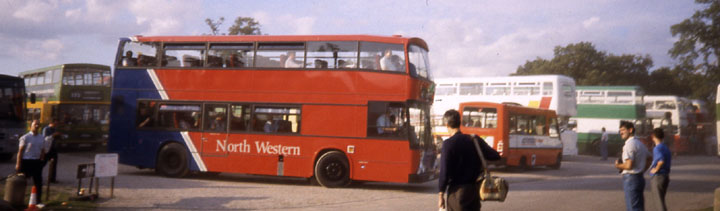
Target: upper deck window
446	89
230	55
498	89
280	55
525	88
382	56
332	55
419	63
623	97
86	77
471	88
665	105
137	54
183	55
547	88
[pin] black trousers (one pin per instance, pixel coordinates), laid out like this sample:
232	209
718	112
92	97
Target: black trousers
34	169
658	188
463	197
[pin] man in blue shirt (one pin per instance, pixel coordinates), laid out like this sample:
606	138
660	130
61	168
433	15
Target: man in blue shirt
660	169
460	167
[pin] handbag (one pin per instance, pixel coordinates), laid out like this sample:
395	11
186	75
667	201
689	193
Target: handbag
491	188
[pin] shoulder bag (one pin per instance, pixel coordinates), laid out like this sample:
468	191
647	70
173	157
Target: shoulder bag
491	188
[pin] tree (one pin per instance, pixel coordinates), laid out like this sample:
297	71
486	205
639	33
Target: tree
245	26
241	26
588	66
698	49
214	25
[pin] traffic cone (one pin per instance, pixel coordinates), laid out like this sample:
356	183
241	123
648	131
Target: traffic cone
32	206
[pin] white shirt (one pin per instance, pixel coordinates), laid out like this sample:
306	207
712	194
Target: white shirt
604	137
383	122
34	145
637	152
291	63
387	64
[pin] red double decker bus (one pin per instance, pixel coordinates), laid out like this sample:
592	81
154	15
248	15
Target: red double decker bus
335	108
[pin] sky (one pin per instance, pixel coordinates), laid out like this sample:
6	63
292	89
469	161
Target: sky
465	37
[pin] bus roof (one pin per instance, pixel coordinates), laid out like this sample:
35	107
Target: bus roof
661	97
614	88
506	105
282	38
520	78
70	65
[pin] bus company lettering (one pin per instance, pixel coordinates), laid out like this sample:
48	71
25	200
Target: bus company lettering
261	147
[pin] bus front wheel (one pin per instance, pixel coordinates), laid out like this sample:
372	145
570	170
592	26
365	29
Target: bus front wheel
172	161
332	170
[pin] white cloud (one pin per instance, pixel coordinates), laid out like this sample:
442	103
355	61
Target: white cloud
165	17
29	50
36	10
589	22
284	24
304	25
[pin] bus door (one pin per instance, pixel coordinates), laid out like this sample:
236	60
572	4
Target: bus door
215	130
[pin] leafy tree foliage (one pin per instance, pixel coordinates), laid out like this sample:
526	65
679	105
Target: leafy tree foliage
241	26
215	25
245	26
588	66
698	49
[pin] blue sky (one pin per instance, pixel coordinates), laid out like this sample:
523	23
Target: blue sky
466	37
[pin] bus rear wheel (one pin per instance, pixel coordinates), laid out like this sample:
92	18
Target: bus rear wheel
332	170
172	161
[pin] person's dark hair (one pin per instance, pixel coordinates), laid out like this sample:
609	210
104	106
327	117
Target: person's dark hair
659	133
628	125
452	118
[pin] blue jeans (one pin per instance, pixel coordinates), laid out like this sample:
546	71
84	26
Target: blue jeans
633	185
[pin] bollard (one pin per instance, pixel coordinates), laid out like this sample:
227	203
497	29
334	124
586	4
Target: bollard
15	190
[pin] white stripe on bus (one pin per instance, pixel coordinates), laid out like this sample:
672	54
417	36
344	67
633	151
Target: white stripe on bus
158	85
193	151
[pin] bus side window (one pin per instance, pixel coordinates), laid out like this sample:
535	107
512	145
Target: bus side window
385	119
238	117
215	117
146	111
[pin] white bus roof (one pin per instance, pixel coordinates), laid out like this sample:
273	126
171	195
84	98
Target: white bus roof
523	78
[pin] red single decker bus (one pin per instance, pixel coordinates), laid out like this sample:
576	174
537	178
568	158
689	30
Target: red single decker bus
524	136
335	108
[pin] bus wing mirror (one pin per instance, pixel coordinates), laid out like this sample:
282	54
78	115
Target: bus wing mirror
33	98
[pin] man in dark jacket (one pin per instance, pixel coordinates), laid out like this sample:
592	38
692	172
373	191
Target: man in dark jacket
460	167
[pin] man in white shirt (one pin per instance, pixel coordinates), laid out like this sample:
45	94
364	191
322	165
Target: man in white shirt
635	160
291	63
385	123
31	152
386	62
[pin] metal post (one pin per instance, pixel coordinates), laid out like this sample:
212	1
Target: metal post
90	188
47	190
97	186
112	186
